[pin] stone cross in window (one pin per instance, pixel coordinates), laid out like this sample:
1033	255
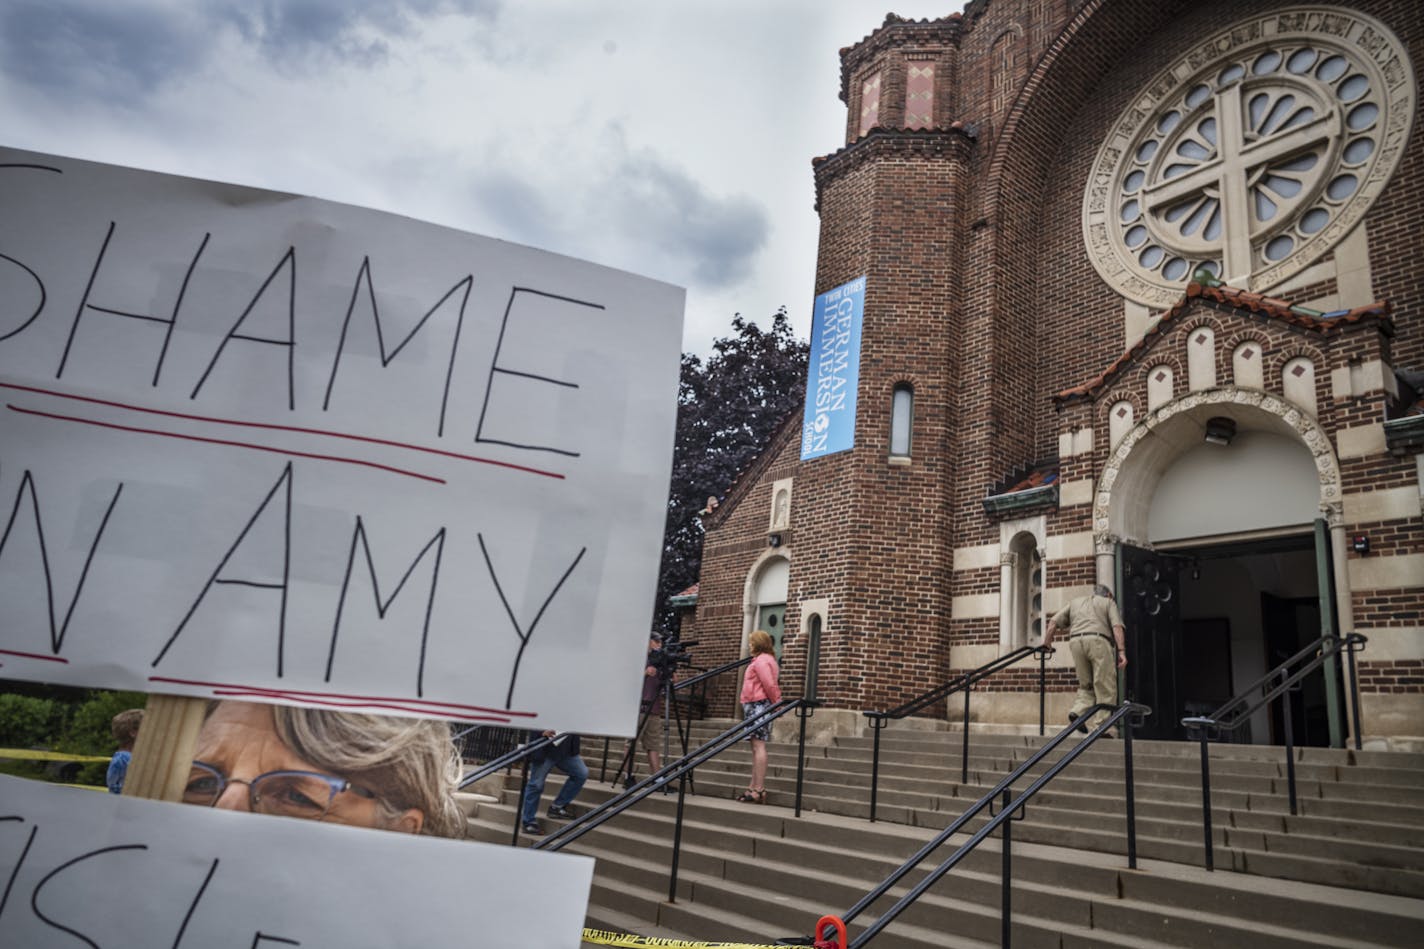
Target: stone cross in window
1242	155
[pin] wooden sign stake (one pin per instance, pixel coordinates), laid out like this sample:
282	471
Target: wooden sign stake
163	752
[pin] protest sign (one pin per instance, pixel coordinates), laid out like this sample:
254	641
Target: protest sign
96	869
260	445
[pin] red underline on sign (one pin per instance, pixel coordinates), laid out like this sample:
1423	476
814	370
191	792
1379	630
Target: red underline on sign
227	442
434	707
273	426
416	709
33	655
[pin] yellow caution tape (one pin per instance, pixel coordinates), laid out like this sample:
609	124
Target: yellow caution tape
25	754
602	938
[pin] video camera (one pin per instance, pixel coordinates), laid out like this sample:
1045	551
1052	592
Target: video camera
674	654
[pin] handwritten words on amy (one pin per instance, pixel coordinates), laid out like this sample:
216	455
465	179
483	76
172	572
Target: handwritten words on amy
94	869
258	444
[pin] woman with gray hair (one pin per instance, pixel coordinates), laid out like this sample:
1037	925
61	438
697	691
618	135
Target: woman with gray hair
320	764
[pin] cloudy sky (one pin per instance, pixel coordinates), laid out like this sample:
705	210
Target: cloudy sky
672	138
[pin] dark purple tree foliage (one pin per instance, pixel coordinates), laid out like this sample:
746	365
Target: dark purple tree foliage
728	407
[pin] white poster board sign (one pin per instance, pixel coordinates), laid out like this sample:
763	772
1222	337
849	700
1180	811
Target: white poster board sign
125	873
267	446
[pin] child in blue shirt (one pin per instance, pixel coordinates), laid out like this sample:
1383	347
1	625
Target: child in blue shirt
125	730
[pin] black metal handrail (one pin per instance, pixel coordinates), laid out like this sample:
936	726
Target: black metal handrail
710	673
482	742
964	683
507	760
1279	682
520	755
679	770
702	676
1011	806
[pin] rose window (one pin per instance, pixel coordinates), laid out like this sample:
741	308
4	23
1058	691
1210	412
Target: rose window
1253	163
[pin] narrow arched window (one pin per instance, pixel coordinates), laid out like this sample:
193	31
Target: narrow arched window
813	656
1026	599
902	416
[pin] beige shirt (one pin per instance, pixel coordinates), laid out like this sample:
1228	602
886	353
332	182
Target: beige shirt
1089	614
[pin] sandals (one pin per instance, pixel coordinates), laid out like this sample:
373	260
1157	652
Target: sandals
753	796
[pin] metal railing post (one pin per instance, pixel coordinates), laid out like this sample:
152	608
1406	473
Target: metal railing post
677	837
1126	732
1006	894
519	804
1290	746
1206	799
1042	667
964	754
803	712
877	724
1350	643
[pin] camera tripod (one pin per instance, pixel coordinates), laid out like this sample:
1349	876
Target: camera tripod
671	712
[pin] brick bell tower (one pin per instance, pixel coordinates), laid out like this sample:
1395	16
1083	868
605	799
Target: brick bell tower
871	522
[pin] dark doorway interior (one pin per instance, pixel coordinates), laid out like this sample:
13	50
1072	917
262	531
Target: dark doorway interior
1289	625
1205	622
1207	680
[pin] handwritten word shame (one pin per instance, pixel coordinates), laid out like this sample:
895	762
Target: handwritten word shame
251	441
135	340
86	869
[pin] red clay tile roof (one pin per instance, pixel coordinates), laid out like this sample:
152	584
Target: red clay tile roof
1036	478
1224	297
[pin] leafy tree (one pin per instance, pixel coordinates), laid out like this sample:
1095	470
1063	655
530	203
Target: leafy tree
30	722
63	719
728	407
89	730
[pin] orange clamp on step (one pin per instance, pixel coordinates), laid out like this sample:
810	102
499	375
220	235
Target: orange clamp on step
840	927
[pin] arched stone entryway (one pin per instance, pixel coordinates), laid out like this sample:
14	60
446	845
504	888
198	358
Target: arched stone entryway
1274	498
1137	463
765	595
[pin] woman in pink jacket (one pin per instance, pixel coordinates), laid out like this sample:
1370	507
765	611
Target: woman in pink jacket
759	693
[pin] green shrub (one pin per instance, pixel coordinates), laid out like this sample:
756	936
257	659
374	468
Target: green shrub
28	722
88	732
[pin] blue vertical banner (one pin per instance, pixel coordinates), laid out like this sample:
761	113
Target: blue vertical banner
834	372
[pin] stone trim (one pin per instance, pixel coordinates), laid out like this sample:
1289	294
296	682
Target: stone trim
1309	430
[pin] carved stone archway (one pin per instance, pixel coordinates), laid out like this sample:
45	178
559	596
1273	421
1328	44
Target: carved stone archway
1137	462
1132	468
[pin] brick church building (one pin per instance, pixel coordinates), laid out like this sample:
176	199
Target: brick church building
1141	305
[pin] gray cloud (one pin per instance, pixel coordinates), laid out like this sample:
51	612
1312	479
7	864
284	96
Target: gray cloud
716	239
517	211
76	48
93	49
352	30
631	210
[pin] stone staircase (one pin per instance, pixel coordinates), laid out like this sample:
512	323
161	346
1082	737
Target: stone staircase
1348	870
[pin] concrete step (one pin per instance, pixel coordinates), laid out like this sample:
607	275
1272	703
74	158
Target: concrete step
1093	794
1360	820
1235	811
1376	784
754	872
1332	860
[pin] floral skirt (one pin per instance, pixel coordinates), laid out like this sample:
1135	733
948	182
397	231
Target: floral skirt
752	710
